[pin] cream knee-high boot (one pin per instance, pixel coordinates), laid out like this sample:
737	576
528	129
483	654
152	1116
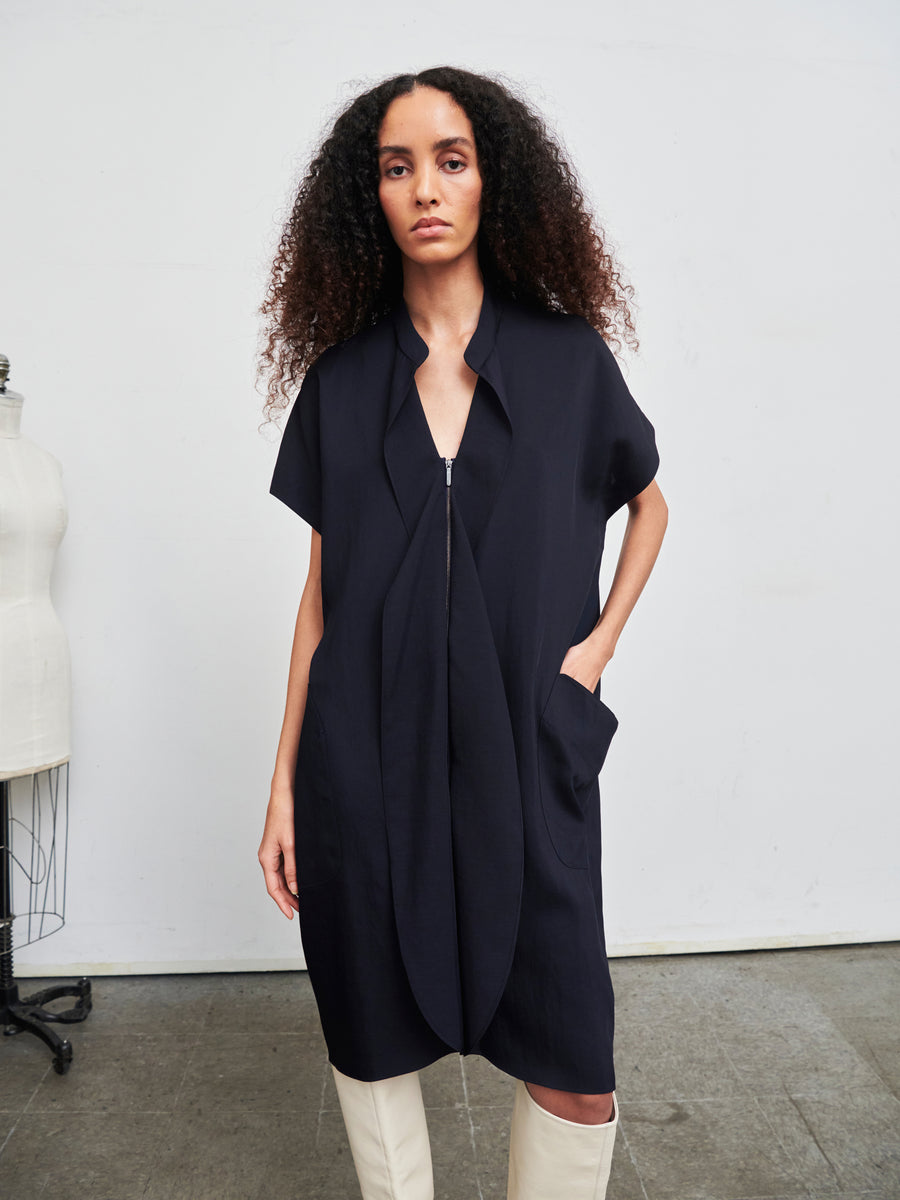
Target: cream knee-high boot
551	1158
388	1134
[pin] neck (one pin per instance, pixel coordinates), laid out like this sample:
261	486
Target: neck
10	415
444	302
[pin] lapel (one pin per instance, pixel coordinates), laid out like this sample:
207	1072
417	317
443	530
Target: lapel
412	461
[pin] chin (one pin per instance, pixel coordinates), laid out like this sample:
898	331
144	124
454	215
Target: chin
432	254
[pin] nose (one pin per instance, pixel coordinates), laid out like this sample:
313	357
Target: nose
427	187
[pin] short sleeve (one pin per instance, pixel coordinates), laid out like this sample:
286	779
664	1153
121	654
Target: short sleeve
627	456
297	478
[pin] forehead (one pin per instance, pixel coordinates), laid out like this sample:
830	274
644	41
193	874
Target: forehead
421	116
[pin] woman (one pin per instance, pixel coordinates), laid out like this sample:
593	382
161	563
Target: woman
461	435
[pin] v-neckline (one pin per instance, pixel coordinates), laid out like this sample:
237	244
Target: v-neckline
444	457
410	452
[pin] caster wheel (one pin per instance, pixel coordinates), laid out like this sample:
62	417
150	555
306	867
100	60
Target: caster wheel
63	1058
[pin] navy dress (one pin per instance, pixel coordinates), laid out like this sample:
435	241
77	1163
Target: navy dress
447	806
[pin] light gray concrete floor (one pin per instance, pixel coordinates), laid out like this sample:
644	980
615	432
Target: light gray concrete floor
749	1075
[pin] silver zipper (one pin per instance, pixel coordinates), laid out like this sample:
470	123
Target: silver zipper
448	462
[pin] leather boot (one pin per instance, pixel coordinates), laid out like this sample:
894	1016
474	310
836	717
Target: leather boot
388	1135
551	1158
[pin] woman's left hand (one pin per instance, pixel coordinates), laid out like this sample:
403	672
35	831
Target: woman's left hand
586	661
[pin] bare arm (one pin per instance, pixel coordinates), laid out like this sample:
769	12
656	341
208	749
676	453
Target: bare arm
276	850
648	516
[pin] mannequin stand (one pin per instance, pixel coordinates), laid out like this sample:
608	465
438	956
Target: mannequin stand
29	1014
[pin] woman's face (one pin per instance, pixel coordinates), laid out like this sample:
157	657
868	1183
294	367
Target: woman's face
429	169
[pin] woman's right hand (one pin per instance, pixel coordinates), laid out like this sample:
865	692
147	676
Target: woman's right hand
276	851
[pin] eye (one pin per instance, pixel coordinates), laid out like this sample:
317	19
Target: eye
451	161
395	167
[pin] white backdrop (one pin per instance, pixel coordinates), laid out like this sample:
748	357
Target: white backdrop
743	158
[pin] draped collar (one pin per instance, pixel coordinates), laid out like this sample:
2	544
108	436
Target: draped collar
480	353
410	454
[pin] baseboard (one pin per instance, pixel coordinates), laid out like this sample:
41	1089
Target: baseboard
28	970
794	941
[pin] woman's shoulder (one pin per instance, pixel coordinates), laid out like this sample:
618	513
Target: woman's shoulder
375	340
530	325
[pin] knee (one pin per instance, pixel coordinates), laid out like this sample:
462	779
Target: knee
591	1110
583	1108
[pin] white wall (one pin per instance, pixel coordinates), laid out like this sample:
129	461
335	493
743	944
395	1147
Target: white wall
744	160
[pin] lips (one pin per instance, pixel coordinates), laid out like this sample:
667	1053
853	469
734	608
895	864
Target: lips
426	221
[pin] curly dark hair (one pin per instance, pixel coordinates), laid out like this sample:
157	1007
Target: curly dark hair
337	268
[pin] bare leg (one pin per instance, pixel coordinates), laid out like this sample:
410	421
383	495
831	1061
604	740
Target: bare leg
562	1151
574	1106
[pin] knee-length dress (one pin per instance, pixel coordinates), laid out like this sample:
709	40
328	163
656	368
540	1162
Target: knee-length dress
446	800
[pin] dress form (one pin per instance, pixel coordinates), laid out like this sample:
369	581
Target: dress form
35	671
35	709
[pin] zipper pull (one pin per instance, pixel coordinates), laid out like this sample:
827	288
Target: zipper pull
449	464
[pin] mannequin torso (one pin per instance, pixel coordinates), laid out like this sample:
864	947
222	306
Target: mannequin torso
35	671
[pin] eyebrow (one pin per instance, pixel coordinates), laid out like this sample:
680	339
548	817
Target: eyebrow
443	144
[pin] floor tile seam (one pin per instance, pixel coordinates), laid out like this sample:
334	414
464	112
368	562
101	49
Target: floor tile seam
738	1023
327	1073
828	1027
160	1146
839	1094
837	995
742	1095
456	1106
15	1126
722	1023
189	1062
723	1050
749	1092
311	1034
472	1139
631	1156
628	1030
696	1003
842	1092
210	1033
734	1100
796	1166
217	1106
31	1099
865	1194
848	1021
118	1111
850	1027
804	1195
875	1064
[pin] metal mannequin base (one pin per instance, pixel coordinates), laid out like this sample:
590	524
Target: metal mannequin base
29	1013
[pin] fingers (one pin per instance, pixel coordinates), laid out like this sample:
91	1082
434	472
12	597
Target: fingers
281	877
283	897
289	871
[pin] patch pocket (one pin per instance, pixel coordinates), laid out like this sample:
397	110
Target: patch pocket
576	729
317	839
